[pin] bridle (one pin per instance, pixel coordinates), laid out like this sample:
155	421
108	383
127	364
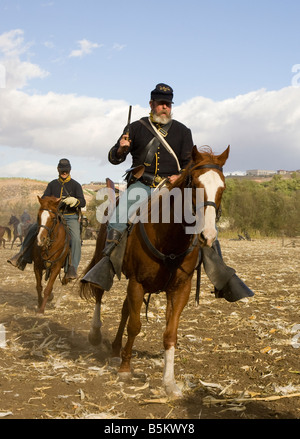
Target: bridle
208	203
50	230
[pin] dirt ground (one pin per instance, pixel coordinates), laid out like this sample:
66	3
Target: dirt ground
233	360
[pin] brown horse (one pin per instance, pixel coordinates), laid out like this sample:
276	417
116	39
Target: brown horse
161	256
4	231
50	249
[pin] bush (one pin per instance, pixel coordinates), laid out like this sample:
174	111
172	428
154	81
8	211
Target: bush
270	208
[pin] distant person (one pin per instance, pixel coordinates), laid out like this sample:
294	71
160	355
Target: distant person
24	222
25	217
71	193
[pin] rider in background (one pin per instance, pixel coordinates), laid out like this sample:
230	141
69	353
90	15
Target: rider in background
71	193
25	221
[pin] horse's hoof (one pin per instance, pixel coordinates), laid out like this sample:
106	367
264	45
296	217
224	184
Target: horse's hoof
95	337
173	391
124	376
64	281
115	361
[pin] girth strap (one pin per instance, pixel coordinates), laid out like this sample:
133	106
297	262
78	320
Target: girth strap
170	260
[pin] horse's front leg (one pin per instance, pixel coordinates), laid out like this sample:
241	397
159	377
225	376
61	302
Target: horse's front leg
95	336
117	343
176	301
135	295
48	290
39	288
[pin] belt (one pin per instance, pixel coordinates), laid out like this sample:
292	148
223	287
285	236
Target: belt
151	179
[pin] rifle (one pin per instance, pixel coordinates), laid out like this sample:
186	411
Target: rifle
126	133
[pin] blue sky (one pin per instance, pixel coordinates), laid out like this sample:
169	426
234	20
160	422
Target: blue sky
73	67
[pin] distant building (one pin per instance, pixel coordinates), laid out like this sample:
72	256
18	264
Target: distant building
260	173
235	174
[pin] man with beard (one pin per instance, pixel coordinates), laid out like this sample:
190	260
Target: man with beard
156	158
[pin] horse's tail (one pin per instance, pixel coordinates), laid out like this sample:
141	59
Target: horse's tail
8	232
87	290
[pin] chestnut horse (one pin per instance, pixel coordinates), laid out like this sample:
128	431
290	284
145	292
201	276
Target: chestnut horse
50	249
162	257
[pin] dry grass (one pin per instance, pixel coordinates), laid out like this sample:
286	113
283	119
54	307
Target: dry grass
236	360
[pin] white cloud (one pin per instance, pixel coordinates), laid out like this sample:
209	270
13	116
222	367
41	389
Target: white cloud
12	43
118	47
85	48
17	72
263	127
30	169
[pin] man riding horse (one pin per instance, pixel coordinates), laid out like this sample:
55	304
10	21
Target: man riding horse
161	148
72	199
24	223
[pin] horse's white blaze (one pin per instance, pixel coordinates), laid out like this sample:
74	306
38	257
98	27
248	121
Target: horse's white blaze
211	182
44	217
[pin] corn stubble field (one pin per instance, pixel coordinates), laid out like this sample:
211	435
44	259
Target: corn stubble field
233	360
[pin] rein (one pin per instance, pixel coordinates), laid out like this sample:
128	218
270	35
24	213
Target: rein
169	260
172	261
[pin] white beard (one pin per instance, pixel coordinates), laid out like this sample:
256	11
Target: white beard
162	118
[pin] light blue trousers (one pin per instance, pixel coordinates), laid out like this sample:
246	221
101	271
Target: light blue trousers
74	229
129	202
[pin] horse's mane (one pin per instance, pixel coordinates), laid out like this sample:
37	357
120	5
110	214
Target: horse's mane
51	202
206	150
208	157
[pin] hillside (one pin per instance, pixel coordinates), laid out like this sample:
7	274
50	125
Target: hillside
17	194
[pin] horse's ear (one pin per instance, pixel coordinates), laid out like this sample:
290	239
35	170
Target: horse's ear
39	198
224	156
57	201
195	153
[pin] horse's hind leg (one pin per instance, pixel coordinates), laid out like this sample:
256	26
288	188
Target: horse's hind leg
135	295
95	336
117	343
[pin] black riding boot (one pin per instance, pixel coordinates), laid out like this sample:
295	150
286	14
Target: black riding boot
227	284
17	261
24	257
102	274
